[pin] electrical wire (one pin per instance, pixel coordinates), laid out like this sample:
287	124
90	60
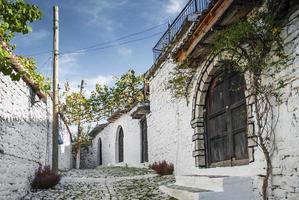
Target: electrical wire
110	46
103	43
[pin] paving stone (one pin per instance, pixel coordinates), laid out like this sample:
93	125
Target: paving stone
119	183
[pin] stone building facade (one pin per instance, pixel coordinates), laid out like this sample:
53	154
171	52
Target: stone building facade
25	137
177	130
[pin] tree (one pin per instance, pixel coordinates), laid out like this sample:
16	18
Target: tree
81	110
101	102
14	18
77	111
127	91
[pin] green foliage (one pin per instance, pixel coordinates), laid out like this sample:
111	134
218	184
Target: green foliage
14	18
127	91
180	78
81	110
76	107
253	45
30	70
101	100
84	141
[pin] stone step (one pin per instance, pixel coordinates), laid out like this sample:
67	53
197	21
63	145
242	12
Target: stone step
210	188
181	192
213	183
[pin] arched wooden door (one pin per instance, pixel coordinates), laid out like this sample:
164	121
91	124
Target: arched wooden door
121	145
100	158
226	120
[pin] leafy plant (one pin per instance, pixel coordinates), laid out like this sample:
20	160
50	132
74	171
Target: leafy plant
76	106
31	72
180	80
84	140
127	91
14	18
162	168
45	178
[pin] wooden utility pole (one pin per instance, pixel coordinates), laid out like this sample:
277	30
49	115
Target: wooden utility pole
78	156
55	125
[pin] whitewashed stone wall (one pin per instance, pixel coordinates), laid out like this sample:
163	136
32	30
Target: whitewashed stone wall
285	184
65	161
169	130
25	137
168	126
132	142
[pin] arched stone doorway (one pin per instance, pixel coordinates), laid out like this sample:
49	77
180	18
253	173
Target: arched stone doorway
119	144
100	156
221	136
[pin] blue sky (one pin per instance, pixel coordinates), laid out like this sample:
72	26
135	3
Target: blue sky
90	22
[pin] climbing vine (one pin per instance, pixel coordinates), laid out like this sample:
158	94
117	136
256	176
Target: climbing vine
254	47
14	18
181	79
30	70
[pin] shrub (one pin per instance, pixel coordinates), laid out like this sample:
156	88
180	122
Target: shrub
162	168
45	178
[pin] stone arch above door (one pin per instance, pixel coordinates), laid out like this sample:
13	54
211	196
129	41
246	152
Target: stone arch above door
198	121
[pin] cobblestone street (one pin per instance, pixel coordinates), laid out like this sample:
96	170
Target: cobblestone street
113	183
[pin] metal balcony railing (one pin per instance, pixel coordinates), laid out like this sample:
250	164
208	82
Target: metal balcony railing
192	7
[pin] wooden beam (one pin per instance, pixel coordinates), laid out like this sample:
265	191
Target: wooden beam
204	27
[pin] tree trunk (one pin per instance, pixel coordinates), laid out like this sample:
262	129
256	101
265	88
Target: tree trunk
78	157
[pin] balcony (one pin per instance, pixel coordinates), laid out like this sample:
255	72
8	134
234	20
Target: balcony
193	8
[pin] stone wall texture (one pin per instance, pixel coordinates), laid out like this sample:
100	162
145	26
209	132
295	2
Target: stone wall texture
25	137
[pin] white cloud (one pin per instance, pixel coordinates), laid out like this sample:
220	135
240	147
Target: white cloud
67	65
32	38
39	35
98	12
99	79
174	6
124	51
69	71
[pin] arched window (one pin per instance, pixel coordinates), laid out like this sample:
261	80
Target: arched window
144	144
226	120
100	158
119	153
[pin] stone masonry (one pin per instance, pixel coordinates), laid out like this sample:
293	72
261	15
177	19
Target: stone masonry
25	137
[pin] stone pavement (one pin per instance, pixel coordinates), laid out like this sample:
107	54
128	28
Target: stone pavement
111	183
